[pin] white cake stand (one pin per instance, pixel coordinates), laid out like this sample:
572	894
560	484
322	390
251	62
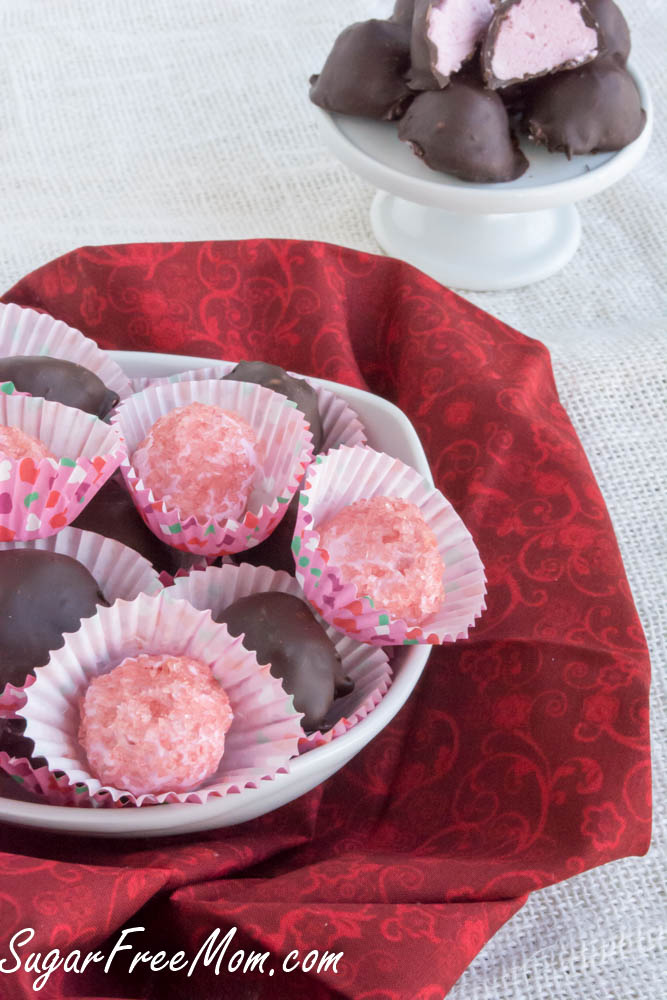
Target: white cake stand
479	237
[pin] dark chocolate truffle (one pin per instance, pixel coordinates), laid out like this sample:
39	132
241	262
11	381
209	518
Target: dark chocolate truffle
403	12
297	389
463	130
283	631
595	109
112	513
42	596
612	29
276	550
60	381
444	37
365	72
531	38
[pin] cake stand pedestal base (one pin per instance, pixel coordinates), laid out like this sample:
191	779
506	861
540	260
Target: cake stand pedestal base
477	253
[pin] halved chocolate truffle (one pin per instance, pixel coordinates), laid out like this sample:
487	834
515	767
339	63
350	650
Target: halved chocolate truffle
612	29
464	130
531	38
60	381
112	513
445	34
595	109
283	631
403	12
42	596
365	71
296	389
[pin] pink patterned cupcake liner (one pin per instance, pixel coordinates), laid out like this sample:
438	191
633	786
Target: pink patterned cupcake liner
287	447
265	730
38	499
336	480
340	424
218	587
39	781
27	332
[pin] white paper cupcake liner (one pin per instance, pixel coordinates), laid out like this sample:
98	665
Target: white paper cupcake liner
286	443
336	480
218	587
27	332
120	572
38	499
264	733
340	424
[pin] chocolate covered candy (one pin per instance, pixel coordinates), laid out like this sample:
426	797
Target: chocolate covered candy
296	389
403	12
613	30
112	513
283	631
530	38
595	109
445	34
60	381
463	130
365	71
42	596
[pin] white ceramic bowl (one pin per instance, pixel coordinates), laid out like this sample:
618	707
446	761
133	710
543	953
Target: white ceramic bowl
388	430
479	237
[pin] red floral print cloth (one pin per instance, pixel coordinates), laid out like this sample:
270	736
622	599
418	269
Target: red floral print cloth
521	759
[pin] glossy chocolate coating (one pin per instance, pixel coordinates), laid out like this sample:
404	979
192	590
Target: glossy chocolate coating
496	26
284	632
60	381
365	72
463	130
276	550
297	389
614	33
112	513
595	109
42	596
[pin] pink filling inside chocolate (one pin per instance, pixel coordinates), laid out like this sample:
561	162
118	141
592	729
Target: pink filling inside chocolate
537	36
455	27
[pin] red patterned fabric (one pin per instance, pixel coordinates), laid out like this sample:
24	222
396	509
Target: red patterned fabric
522	757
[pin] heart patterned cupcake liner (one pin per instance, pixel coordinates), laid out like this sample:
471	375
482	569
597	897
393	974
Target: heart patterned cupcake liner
38	499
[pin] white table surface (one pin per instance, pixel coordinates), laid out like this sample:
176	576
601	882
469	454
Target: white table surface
189	119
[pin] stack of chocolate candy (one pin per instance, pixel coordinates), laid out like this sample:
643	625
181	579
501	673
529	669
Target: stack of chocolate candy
465	77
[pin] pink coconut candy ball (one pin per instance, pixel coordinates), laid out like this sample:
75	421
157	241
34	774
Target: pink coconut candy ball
154	724
385	547
201	459
16	444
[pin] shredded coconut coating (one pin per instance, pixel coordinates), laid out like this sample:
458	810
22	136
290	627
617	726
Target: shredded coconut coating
16	444
155	724
201	459
385	547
